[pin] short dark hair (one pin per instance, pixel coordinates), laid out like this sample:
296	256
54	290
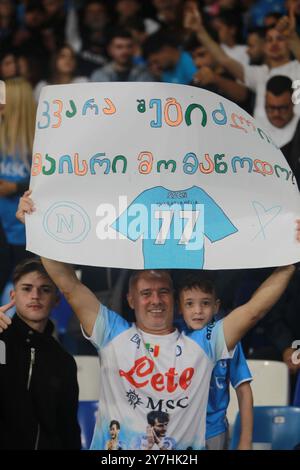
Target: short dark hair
195	281
27	266
114	422
269	28
228	17
136	24
259	30
279	84
232	18
157	41
161	416
119	33
135	276
274	14
6	51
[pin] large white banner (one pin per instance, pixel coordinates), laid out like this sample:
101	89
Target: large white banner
150	175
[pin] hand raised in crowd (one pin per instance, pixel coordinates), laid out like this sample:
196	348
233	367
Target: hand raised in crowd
26	206
204	76
287	24
5	321
192	18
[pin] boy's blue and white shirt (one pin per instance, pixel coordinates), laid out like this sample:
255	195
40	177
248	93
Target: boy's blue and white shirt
234	371
140	373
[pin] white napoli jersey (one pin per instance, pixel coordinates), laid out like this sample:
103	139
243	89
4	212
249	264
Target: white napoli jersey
145	376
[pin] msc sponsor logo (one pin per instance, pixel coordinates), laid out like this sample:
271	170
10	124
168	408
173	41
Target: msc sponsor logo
167	405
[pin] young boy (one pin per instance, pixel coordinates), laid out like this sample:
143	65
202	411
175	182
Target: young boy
199	304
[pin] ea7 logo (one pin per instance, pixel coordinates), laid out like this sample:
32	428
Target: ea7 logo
296	354
136	339
2	353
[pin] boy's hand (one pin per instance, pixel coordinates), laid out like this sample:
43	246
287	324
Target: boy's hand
26	206
4	320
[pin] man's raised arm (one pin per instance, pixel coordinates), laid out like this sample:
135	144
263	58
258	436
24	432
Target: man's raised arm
243	318
82	300
193	22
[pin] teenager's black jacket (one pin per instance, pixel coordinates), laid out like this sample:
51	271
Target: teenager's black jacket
38	391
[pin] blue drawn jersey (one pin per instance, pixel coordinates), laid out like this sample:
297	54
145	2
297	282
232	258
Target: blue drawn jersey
173	225
235	371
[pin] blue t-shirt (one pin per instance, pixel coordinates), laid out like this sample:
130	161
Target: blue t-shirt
12	169
173	225
183	71
235	371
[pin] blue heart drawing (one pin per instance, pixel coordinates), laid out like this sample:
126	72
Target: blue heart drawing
263	214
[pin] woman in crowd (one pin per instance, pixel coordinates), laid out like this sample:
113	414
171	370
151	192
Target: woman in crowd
16	138
63	70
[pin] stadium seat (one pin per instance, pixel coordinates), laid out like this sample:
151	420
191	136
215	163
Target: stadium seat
87	412
61	314
88	375
296	401
270	386
275	428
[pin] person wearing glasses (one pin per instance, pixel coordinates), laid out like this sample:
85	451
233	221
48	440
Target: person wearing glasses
284	124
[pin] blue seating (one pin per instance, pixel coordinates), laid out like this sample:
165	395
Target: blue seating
61	314
87	412
275	427
296	401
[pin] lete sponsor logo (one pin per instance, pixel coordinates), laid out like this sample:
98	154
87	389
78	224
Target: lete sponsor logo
141	375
